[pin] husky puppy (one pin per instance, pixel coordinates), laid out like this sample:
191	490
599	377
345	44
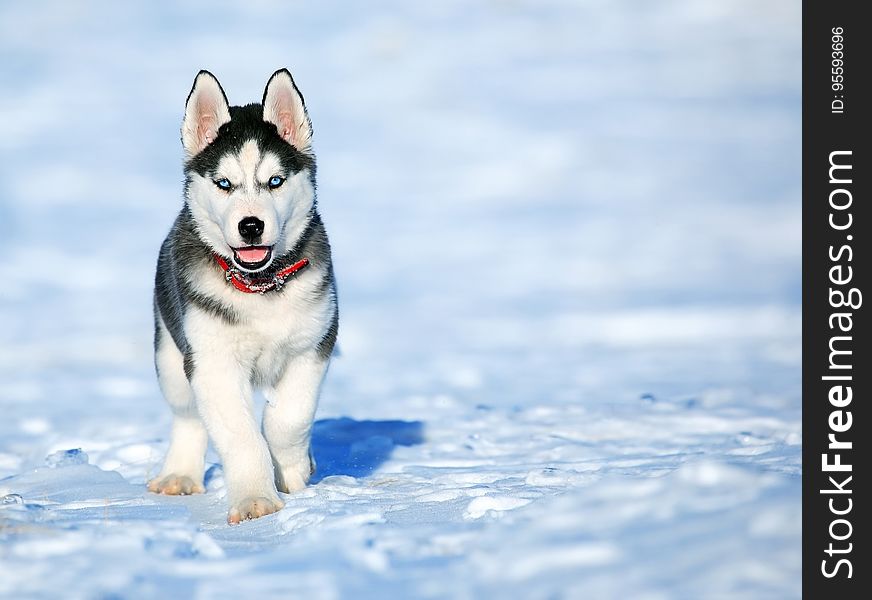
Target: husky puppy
244	297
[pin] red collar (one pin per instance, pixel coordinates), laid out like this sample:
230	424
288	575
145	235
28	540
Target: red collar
258	286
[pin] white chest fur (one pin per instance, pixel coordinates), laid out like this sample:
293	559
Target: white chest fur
270	329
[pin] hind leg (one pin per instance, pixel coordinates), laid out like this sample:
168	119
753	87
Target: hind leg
183	468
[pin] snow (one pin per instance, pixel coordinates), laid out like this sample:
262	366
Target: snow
567	240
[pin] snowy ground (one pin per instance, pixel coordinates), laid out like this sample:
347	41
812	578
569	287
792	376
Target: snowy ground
567	237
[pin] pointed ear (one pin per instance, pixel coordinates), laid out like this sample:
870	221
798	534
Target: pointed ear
283	106
205	111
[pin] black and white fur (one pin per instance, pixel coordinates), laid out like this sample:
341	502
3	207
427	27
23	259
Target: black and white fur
213	343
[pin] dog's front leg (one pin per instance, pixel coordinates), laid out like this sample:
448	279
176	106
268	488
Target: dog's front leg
288	418
222	389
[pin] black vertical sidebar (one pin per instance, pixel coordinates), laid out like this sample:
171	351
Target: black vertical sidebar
836	170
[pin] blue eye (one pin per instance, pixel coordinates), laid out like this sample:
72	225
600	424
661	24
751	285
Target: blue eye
276	182
223	183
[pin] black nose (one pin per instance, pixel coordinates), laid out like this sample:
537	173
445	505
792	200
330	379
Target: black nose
250	228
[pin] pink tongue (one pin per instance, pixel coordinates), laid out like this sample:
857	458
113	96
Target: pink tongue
252	255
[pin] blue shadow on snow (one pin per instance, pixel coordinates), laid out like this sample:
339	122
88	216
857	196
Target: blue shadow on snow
344	446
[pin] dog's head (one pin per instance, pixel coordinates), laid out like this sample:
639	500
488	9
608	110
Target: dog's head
250	171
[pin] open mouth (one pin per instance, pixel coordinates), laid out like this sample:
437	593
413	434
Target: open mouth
252	258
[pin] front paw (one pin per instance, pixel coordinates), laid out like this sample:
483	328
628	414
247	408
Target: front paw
294	477
175	485
253	508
